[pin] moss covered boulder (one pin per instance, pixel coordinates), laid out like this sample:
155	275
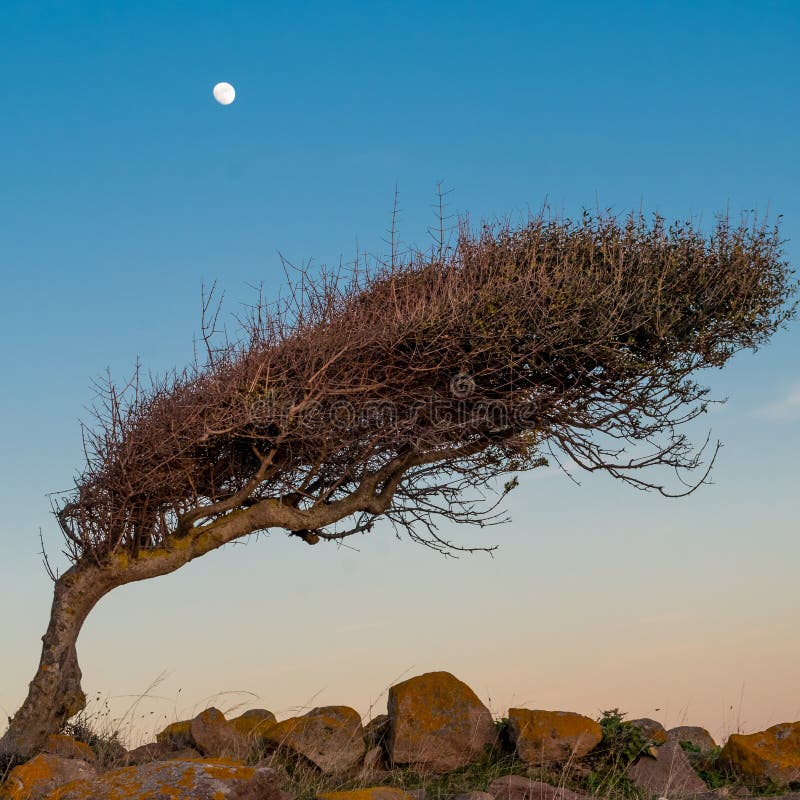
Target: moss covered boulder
552	737
770	755
437	723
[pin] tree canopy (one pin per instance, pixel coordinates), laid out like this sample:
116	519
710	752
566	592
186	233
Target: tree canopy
416	379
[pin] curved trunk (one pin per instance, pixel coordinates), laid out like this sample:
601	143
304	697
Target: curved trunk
55	693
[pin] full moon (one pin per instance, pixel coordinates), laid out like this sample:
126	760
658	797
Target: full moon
224	93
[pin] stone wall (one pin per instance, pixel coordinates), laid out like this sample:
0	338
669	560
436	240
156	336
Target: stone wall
435	734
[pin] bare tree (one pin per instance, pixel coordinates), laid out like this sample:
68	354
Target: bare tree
401	391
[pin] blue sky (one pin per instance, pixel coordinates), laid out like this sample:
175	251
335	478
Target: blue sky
123	187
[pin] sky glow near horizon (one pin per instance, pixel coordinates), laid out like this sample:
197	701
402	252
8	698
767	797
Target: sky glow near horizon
119	201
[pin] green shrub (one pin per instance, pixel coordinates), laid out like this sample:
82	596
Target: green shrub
622	742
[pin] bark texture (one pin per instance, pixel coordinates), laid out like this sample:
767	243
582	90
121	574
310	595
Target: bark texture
55	693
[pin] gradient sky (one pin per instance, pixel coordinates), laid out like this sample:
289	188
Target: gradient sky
123	187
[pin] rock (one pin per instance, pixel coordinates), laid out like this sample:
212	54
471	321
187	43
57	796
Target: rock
253	723
110	753
159	751
694	735
474	796
651	729
178	734
543	737
577	771
724	792
437	723
214	737
376	729
372	768
518	787
331	738
785	796
669	774
369	793
214	779
38	778
770	755
67	747
373	758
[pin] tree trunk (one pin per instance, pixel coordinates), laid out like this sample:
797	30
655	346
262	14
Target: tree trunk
55	693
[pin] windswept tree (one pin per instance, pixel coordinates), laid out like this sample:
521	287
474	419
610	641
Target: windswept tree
403	389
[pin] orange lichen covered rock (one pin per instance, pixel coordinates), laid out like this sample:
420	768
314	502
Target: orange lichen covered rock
178	734
437	722
331	738
254	723
370	793
67	747
37	778
158	751
215	737
552	737
178	780
770	755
